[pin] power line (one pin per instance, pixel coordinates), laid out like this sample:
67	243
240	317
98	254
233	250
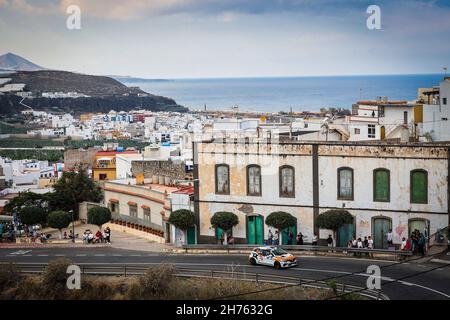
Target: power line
331	278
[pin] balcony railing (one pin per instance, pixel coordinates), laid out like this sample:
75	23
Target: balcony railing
138	221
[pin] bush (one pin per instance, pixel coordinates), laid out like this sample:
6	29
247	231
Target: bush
32	215
224	220
281	220
333	219
99	216
182	219
155	283
55	276
9	276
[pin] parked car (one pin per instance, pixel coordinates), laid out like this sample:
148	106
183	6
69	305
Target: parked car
272	256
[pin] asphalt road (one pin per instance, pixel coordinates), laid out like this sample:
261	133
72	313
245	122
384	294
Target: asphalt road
418	280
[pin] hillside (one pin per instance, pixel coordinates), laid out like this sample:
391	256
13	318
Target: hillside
64	81
12	61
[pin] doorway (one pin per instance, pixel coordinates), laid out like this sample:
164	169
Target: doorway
284	234
344	234
380	227
255	230
420	224
191	235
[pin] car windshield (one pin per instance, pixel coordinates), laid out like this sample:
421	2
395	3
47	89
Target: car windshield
278	252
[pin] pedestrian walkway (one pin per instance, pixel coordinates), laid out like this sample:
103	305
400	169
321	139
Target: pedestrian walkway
122	240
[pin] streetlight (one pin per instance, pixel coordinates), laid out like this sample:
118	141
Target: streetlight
73	227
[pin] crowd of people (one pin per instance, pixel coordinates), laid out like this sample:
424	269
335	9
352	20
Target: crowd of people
99	237
415	243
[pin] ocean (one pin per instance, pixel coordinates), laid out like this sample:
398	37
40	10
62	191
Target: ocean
282	94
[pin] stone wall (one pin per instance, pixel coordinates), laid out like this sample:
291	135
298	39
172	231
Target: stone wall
170	169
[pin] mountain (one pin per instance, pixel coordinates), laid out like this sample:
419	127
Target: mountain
101	93
65	81
11	61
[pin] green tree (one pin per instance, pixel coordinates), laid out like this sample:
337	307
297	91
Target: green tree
224	220
73	188
32	215
59	220
27	199
333	220
182	219
99	216
280	220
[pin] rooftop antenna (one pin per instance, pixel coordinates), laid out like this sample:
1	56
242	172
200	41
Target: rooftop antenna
445	71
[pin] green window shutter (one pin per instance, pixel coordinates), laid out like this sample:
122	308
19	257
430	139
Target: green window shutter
419	187
381	185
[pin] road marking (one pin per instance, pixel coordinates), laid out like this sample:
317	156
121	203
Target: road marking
20	252
60	255
135	255
99	255
440	261
81	255
42	255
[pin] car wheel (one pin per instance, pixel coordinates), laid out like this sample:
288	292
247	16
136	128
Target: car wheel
277	265
252	261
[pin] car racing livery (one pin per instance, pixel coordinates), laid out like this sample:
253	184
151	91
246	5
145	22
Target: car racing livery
272	256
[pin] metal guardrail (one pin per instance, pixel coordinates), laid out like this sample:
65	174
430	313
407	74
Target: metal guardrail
133	270
237	247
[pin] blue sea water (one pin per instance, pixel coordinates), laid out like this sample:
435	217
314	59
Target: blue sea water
281	94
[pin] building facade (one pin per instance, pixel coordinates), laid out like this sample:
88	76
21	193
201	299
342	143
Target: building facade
385	187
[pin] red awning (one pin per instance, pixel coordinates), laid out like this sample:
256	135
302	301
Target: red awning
114	200
131	203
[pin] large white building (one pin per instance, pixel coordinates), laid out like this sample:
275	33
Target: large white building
384	186
435	122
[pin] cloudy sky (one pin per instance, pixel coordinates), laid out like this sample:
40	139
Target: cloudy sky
229	38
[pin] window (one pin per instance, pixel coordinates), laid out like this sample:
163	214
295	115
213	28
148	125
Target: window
147	215
381	185
102	176
371	131
444	101
287	182
114	208
133	210
345	183
419	186
222	179
357	131
253	180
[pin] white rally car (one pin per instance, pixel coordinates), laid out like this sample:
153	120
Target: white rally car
272	256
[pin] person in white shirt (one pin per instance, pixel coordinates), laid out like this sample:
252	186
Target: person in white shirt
370	243
403	245
389	238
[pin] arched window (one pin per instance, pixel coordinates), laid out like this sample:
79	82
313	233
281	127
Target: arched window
287	182
419	186
253	180
222	179
381	185
345	183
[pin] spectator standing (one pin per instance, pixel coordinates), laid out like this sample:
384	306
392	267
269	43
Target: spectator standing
290	237
315	240
330	240
300	241
276	238
270	237
390	238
